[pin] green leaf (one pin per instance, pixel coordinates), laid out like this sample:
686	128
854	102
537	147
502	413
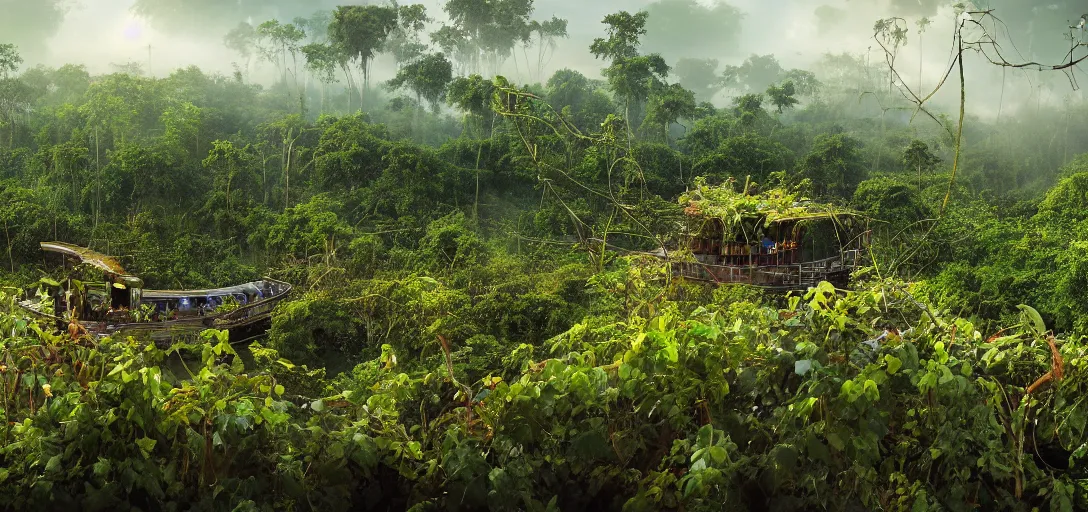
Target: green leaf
946	375
847	390
894	363
102	468
921	503
871	390
117	369
718	454
146	445
705	437
53	465
317	405
710	332
671	352
1031	318
278	389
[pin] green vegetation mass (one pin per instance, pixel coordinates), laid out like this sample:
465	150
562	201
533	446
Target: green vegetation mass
476	323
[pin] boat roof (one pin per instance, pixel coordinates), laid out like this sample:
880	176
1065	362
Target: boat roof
110	265
86	255
774	206
250	287
94	258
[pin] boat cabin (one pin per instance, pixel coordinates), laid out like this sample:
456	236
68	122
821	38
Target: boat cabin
772	239
105	299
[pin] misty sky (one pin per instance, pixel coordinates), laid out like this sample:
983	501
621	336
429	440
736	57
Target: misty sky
116	35
99	33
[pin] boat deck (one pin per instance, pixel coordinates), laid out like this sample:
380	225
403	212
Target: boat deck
785	277
257	301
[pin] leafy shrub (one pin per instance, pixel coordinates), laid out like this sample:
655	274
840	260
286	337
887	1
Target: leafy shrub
450	242
303	328
367	254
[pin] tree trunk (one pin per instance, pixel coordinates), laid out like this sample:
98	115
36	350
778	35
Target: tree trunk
287	173
7	236
365	85
627	120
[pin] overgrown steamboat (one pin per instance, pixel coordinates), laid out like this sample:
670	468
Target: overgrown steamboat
106	300
773	240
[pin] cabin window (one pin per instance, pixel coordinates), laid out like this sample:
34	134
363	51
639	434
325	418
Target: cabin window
120	298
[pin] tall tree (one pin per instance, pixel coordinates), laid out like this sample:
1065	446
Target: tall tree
485	31
749	109
804	82
454	42
579	98
243	41
472	95
834	165
361	31
669	104
630	75
277	41
547	33
232	173
10	60
15	104
119	106
15	95
427	77
321	60
919	158
404	42
782	96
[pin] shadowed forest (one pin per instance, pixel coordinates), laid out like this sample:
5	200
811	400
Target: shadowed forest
478	320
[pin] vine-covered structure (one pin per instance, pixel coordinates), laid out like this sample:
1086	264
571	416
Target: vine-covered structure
773	239
104	299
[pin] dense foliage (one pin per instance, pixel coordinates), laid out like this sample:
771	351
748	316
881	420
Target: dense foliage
654	402
472	326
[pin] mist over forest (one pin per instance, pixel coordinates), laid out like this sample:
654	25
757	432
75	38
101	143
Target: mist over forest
102	34
543	255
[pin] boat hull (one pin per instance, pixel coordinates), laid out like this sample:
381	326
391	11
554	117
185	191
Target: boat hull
245	318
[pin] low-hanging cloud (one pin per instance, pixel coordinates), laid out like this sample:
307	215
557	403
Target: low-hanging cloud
103	33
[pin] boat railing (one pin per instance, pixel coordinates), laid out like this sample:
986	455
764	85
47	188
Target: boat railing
256	309
803	274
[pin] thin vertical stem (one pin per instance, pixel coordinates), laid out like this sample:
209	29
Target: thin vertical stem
959	133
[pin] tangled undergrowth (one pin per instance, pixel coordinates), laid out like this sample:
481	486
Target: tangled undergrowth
859	400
